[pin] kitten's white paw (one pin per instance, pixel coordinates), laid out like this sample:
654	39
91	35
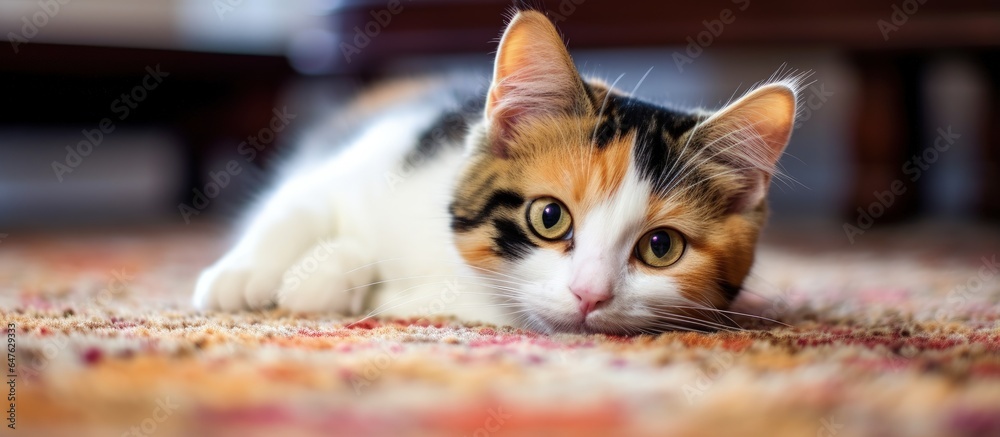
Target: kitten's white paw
235	284
329	277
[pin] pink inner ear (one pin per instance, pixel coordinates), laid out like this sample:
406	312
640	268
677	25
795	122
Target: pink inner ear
532	93
754	191
503	120
533	76
501	137
756	128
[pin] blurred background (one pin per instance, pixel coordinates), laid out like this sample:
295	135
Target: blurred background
118	112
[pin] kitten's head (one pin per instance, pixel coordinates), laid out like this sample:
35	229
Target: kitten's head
591	211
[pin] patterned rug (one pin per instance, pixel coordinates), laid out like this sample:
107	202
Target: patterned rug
897	334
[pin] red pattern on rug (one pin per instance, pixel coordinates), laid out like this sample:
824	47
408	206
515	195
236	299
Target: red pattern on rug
893	336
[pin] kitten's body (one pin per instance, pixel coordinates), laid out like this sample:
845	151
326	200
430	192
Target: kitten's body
377	207
430	208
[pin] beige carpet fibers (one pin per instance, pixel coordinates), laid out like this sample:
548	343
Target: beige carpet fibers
897	334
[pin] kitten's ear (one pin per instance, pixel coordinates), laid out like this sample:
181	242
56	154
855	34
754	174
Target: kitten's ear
750	135
533	76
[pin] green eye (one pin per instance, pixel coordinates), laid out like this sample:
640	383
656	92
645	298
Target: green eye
549	218
660	247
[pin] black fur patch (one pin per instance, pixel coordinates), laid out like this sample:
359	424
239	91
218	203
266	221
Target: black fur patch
511	242
622	115
499	199
730	291
656	129
449	128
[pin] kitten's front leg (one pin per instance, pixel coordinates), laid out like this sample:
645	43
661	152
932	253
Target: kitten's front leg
330	276
293	219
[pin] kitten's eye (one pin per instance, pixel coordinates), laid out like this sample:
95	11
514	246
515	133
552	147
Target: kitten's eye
660	247
549	218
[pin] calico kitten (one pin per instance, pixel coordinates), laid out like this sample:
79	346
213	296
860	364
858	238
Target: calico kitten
557	204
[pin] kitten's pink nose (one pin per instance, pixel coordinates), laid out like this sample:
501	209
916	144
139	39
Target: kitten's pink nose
590	297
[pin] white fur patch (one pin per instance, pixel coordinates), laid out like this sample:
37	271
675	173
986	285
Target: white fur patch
604	240
356	223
